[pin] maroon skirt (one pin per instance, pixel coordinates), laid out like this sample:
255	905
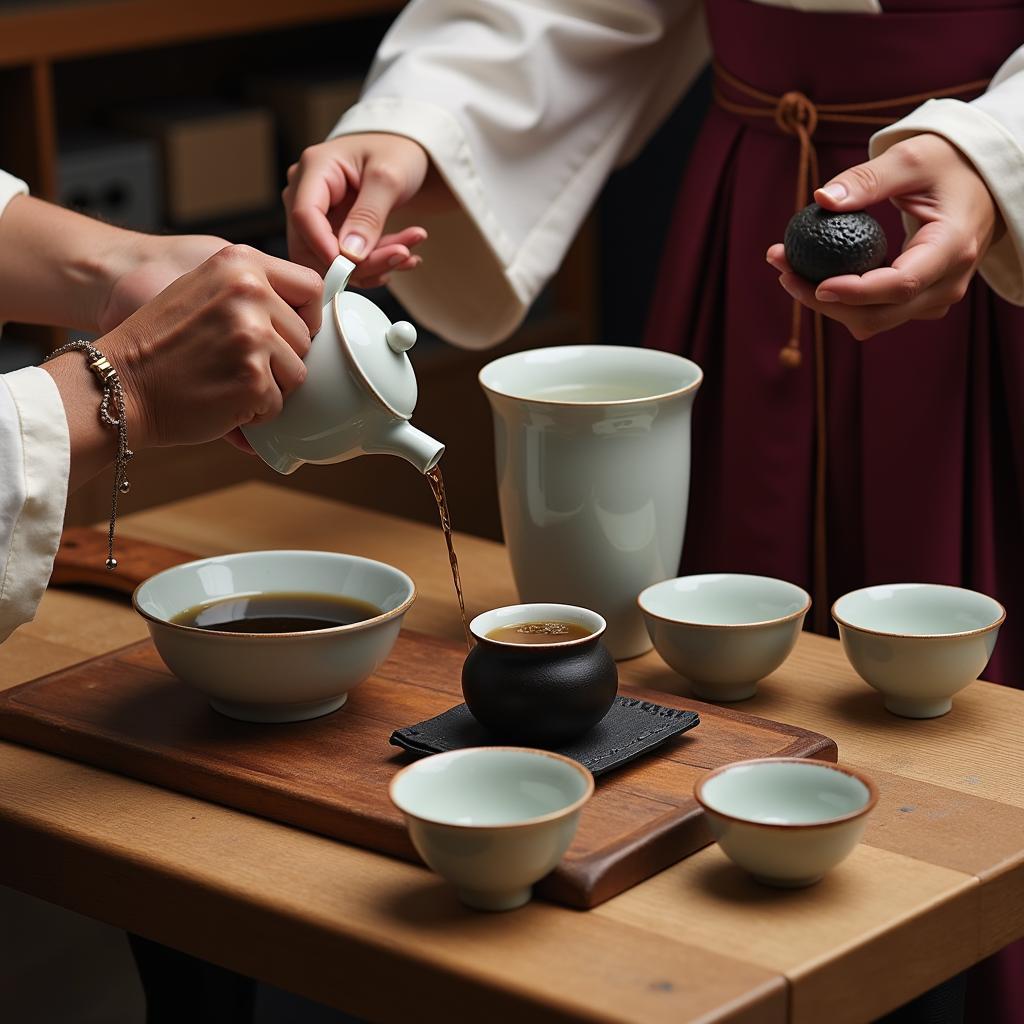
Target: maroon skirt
925	423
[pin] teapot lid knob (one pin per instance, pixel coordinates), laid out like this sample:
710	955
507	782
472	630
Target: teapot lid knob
401	336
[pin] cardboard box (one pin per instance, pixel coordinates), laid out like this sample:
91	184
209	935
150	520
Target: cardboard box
306	107
217	162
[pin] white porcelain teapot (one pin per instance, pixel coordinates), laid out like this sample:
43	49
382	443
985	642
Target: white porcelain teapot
359	394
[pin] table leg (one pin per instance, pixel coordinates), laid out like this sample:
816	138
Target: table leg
943	1004
180	987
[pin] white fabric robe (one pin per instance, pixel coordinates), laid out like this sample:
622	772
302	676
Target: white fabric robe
34	463
89	964
525	109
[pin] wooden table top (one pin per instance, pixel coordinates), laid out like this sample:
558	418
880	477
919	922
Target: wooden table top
937	884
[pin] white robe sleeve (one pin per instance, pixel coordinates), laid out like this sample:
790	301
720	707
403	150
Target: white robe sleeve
990	132
524	108
9	188
35	459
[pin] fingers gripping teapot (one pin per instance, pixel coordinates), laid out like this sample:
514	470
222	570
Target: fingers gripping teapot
359	394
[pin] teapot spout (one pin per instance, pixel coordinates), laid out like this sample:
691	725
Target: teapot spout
403	439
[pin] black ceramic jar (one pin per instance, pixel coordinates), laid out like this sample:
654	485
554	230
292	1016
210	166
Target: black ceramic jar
539	694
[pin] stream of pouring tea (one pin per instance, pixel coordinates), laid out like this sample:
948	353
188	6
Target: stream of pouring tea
436	481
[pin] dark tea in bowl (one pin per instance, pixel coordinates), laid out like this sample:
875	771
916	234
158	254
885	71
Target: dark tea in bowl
275	636
539	674
277	613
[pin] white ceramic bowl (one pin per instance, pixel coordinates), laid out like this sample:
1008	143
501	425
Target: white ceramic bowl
492	820
785	820
275	677
724	631
918	643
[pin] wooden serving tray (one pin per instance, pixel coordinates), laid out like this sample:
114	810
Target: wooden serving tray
125	712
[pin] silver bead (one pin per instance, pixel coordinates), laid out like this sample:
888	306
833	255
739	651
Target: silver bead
125	487
129	454
111	563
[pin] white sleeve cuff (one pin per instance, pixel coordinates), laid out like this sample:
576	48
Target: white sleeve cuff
466	236
524	108
10	187
999	159
37	460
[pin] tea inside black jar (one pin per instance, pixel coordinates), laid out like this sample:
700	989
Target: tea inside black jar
550	632
277	613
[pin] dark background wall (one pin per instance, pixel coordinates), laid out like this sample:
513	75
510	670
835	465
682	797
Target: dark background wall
633	215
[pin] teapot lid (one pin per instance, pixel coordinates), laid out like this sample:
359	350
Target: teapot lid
377	348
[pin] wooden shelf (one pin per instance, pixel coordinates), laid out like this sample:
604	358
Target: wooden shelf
33	32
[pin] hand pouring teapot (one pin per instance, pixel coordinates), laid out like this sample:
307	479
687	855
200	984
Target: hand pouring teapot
359	394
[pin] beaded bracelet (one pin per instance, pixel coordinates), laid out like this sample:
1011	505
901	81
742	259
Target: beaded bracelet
113	393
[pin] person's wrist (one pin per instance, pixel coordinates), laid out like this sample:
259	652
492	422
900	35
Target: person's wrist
102	267
123	349
937	151
990	224
145	266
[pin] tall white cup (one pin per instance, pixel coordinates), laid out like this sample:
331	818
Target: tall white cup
593	459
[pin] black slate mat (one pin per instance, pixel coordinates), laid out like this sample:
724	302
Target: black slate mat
630	729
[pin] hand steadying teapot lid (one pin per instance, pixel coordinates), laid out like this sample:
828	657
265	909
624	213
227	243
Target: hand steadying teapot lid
377	347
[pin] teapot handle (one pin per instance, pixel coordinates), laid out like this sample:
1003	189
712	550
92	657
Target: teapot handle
336	278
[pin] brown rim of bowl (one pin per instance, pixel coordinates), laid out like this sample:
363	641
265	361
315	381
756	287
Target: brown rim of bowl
922	636
676	393
588	778
726	625
352	627
536	648
852	772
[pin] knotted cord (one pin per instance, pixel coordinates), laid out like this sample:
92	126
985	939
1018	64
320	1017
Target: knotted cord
794	113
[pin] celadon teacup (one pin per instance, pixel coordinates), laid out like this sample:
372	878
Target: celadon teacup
592	447
918	643
492	820
787	821
724	631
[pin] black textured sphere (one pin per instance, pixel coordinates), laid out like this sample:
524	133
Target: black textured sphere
821	244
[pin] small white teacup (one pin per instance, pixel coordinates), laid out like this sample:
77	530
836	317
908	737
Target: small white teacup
786	820
918	643
724	631
492	820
